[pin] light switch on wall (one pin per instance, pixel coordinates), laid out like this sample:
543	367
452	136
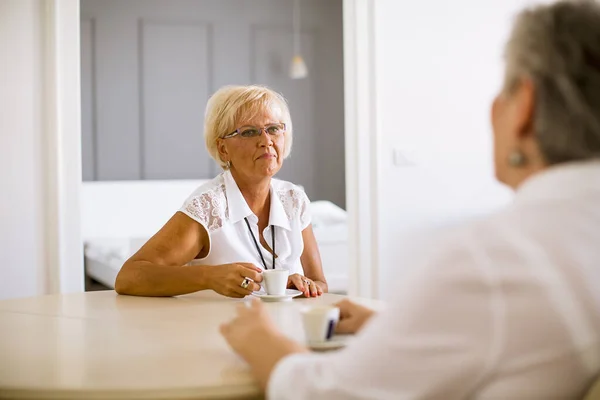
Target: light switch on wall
403	159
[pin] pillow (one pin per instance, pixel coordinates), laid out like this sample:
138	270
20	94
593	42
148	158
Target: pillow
325	213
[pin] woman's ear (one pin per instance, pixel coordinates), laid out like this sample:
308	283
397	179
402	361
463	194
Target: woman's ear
523	108
222	148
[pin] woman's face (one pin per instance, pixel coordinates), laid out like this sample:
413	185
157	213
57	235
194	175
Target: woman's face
255	157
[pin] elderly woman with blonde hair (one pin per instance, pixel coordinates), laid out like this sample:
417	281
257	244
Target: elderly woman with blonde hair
507	307
242	222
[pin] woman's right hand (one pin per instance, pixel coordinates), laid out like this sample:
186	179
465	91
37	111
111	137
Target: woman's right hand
352	316
227	279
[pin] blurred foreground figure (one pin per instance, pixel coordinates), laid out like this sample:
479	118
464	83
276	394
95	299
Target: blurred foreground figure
507	307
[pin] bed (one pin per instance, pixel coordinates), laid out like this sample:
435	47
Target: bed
118	217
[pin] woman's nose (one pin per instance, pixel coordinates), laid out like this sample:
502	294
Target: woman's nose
265	139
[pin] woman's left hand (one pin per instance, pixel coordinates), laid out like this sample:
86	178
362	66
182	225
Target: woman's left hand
307	286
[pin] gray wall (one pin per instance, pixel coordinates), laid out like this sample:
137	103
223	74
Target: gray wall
149	66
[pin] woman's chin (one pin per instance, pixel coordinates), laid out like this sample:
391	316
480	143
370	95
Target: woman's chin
268	167
270	171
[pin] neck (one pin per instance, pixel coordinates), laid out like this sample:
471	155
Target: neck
518	178
255	192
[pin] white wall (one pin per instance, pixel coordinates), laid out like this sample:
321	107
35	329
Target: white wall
40	148
22	249
438	66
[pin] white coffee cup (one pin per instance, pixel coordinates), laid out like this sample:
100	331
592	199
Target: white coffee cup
320	322
275	281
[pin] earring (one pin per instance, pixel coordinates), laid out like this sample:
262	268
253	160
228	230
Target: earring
517	159
228	164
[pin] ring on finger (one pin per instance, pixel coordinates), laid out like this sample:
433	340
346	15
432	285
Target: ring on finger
308	282
246	283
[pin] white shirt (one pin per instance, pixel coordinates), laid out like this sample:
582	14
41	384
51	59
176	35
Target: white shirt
505	308
220	207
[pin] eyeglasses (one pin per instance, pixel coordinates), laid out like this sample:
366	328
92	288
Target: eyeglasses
253	131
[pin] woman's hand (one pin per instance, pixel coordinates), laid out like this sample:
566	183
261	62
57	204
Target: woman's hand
352	317
307	286
251	324
253	335
227	279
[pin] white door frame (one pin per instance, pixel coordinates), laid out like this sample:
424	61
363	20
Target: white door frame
63	148
362	141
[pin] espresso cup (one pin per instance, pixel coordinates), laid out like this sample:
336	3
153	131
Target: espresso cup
320	322
275	281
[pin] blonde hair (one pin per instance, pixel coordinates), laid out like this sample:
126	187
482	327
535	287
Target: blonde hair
230	104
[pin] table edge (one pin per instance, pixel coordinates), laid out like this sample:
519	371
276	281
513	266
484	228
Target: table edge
215	392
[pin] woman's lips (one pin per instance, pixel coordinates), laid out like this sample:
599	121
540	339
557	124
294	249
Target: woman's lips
267	156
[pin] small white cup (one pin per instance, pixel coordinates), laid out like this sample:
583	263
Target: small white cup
319	323
275	281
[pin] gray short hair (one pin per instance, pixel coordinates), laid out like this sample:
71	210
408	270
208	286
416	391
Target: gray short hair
557	46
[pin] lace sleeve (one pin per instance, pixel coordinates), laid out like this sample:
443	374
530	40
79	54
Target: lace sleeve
208	208
304	207
296	205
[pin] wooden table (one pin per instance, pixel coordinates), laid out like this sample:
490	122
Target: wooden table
101	345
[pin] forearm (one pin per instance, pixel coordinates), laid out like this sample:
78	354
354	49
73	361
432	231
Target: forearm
143	278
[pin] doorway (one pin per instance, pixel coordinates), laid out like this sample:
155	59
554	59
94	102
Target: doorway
63	114
147	71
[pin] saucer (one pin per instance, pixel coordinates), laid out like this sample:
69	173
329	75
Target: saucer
336	342
289	295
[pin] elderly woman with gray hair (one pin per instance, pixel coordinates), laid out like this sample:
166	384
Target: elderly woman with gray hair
509	306
242	222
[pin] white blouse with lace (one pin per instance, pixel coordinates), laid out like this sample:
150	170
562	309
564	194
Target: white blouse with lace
220	207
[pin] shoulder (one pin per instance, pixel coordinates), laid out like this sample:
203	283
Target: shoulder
294	200
488	248
454	253
208	204
292	196
288	190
